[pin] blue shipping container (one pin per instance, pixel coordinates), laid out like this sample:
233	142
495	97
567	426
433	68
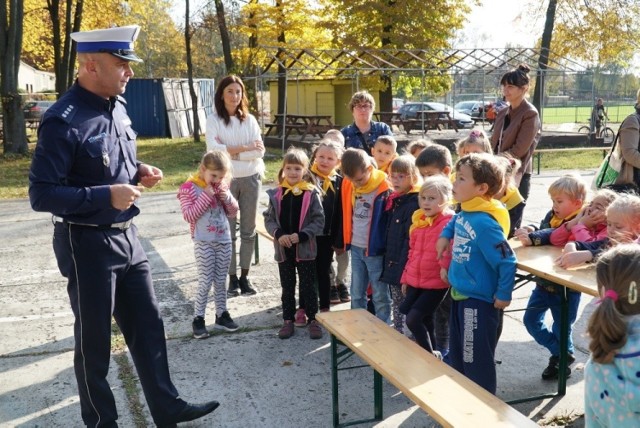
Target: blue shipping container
148	110
146	107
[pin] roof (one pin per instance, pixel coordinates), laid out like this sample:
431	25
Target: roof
337	62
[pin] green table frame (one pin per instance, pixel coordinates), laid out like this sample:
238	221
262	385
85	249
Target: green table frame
338	358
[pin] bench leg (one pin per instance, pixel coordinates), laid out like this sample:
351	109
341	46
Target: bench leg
334	382
377	396
564	342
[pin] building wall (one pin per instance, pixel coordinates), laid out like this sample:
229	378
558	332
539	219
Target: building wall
32	80
330	97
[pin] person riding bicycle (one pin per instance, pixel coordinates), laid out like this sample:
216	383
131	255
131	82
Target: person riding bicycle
598	115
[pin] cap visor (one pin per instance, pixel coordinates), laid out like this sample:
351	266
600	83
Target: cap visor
130	57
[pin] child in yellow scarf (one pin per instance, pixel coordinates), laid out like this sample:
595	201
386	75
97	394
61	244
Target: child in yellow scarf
568	194
325	161
384	152
510	195
400	206
482	268
294	218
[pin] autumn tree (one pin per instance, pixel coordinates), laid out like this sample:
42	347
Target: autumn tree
48	23
11	16
192	91
597	32
393	24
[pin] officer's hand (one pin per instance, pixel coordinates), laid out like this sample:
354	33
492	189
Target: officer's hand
149	175
124	195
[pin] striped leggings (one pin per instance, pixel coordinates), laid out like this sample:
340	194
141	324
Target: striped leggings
212	261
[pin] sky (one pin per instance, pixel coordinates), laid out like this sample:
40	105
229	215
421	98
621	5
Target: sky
497	23
491	25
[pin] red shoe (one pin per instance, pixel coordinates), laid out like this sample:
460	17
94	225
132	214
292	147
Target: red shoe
287	330
315	331
301	318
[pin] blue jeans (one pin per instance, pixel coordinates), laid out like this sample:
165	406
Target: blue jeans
542	300
365	270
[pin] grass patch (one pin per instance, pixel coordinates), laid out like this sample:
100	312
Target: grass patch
576	160
179	158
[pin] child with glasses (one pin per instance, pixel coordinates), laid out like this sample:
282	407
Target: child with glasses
400	206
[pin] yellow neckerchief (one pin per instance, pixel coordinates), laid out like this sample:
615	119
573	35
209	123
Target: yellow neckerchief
512	197
326	179
376	178
556	222
491	207
385	166
419	219
197	180
297	188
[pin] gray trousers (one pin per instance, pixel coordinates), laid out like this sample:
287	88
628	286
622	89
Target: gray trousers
246	190
340	277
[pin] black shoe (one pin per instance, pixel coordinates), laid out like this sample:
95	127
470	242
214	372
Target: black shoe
199	329
552	370
234	287
245	287
191	412
343	293
334	296
224	322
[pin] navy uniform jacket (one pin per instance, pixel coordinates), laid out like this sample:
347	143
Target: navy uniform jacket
353	138
85	144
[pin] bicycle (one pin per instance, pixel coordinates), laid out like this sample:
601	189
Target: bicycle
606	133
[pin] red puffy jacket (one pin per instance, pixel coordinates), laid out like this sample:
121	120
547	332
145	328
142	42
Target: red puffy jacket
423	269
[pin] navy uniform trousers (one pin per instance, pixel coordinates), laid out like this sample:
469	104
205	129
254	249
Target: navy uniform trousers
109	274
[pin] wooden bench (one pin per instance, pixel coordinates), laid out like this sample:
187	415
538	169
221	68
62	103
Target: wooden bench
289	127
261	230
539	152
445	394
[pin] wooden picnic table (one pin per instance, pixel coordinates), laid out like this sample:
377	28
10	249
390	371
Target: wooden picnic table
430	119
389	117
539	262
302	124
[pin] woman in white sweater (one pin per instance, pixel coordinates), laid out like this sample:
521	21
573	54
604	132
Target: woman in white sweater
233	129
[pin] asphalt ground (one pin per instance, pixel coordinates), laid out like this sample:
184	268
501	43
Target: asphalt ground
260	380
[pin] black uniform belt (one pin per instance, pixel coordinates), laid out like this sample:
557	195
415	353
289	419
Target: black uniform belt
124	225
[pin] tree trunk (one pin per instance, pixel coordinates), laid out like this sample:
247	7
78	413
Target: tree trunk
224	36
386	95
64	57
252	91
543	60
282	73
13	126
192	91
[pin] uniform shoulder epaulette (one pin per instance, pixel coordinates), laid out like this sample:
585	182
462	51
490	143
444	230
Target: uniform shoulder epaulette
121	99
65	111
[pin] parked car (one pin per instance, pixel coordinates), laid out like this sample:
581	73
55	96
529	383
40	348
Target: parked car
410	111
476	109
33	110
397	103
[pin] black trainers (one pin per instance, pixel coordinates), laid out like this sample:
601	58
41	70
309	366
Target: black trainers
343	292
224	322
234	287
199	329
334	296
552	370
245	287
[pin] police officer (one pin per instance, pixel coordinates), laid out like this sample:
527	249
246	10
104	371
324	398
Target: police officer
85	172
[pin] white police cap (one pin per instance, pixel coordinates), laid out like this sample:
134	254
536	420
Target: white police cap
117	41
